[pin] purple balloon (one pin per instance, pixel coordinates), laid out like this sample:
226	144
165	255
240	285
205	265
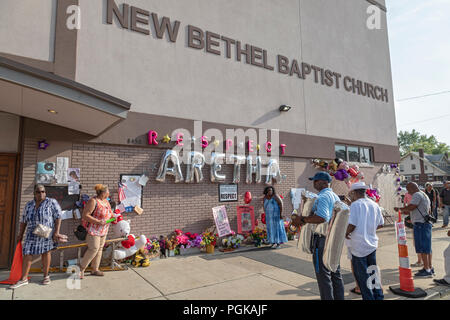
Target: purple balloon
341	175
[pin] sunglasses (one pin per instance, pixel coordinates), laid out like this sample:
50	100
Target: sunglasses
37	192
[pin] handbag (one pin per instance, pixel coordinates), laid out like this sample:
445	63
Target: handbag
80	232
42	231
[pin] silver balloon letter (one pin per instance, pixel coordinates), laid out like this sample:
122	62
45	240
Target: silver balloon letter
273	172
175	170
253	169
215	167
237	161
195	163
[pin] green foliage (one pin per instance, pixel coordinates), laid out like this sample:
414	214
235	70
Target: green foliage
413	141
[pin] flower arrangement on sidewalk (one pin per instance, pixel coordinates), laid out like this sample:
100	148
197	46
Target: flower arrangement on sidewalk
152	247
232	242
258	236
208	238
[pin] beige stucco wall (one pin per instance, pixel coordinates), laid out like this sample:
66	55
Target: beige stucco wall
161	77
27	28
9	132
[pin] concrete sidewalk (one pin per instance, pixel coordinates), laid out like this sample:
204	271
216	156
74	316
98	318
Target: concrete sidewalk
255	274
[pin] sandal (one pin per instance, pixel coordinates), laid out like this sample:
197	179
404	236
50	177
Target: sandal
355	292
97	273
46	281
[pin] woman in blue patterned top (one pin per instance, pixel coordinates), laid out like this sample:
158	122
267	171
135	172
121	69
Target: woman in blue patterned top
273	207
41	210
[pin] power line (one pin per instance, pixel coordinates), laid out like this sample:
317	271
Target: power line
424	96
440	117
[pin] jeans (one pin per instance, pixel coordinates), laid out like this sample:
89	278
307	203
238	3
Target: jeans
446	214
331	285
362	274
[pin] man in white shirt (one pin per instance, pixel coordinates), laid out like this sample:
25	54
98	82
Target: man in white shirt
365	219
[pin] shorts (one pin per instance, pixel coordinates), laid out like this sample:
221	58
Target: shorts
422	237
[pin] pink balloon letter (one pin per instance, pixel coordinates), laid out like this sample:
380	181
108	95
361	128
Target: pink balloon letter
229	143
152	135
250	145
283	147
180	139
269	146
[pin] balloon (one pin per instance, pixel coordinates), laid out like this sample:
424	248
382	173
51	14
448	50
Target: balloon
166	139
229	143
343	166
353	172
273	172
338	161
341	175
248	197
152	135
195	163
180	139
253	169
205	142
333	166
215	167
250	146
237	160
175	170
269	146
283	148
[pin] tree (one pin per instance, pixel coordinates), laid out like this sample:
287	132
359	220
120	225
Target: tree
413	141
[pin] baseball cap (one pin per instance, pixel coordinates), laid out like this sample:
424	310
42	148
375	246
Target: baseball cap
323	176
358	186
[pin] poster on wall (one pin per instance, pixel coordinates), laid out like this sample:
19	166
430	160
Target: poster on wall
221	220
246	219
132	191
73	176
228	192
62	164
45	172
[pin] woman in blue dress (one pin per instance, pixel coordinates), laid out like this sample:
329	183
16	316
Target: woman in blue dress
45	211
273	207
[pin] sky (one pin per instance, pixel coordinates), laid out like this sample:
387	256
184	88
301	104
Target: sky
420	57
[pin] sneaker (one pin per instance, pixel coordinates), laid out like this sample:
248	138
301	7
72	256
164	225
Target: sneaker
278	246
432	271
441	282
424	273
19	284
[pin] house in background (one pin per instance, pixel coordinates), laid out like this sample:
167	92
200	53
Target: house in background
422	168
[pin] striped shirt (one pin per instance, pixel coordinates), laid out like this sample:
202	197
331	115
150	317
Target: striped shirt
47	213
101	212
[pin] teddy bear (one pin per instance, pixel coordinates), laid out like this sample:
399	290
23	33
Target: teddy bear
132	244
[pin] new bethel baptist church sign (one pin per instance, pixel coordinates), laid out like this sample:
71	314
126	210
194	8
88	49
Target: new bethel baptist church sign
213	43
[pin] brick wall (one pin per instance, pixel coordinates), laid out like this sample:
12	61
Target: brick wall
167	206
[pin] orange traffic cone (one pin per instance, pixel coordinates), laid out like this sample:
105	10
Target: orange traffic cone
406	287
16	268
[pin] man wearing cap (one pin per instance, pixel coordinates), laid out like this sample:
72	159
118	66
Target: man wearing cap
365	219
331	285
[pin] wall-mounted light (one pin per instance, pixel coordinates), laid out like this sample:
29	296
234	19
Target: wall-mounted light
52	111
285	108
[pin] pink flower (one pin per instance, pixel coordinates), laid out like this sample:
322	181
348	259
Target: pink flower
178	231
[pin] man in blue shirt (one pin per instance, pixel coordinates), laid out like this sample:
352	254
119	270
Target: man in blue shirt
331	285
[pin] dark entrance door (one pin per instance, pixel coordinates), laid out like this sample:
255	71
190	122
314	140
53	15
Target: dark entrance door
8	164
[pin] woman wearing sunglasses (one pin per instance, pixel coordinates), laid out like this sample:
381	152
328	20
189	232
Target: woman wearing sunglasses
45	214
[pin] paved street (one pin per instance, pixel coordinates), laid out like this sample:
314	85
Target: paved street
261	274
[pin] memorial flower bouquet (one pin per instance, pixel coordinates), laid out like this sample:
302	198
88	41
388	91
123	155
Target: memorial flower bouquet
258	236
152	246
233	242
208	238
